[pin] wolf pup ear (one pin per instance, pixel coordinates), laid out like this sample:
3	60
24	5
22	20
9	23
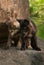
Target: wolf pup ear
26	21
18	20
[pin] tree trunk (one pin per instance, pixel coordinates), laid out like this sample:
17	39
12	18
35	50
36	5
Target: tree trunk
23	9
19	7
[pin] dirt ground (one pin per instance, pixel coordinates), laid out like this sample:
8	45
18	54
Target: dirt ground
14	56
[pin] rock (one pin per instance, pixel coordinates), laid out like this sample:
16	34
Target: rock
14	56
17	57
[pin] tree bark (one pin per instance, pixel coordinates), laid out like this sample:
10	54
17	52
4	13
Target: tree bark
23	9
19	7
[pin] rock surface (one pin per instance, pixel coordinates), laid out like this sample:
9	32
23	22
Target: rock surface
14	56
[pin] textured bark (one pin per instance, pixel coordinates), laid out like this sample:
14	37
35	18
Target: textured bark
18	7
23	9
